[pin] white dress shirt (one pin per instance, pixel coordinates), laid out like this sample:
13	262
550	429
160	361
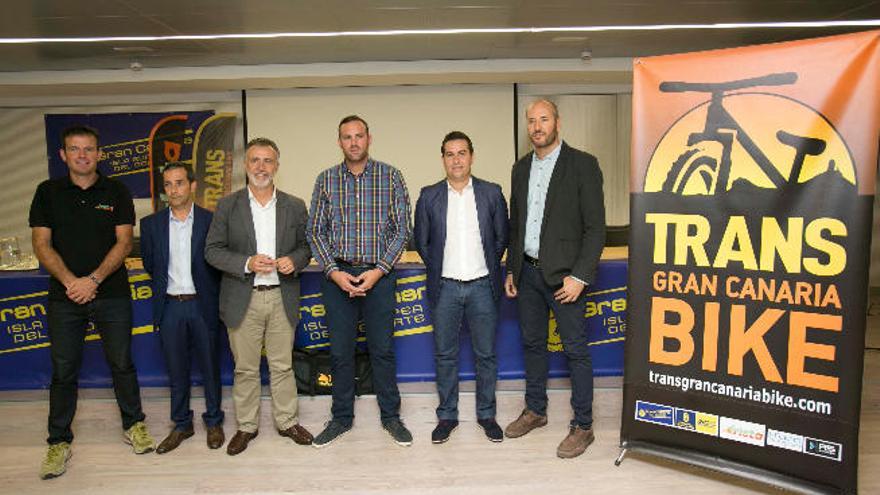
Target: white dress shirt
539	182
180	279
264	228
463	257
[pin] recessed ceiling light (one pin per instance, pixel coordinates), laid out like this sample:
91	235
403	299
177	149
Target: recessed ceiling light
133	49
568	39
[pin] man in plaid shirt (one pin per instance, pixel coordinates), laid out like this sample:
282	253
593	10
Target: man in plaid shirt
358	228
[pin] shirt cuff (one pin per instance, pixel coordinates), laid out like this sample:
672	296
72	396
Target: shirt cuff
330	269
246	262
579	281
382	265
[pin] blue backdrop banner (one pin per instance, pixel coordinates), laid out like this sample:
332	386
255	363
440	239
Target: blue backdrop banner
127	143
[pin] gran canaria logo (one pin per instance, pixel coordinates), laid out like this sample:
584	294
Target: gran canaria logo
724	144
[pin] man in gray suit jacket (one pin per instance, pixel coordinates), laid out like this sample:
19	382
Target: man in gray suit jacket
557	232
257	239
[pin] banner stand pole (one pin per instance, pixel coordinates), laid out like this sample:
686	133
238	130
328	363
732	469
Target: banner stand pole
729	467
622	454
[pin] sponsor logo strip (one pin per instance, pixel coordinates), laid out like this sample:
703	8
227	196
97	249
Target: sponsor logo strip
735	429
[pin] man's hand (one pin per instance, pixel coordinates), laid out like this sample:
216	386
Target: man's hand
509	286
285	265
368	279
347	282
260	263
570	291
81	290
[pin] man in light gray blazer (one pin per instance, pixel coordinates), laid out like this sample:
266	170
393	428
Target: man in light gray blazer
257	239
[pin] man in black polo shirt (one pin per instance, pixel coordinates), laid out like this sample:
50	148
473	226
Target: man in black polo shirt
81	231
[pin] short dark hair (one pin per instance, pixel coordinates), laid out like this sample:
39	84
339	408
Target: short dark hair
353	118
78	130
190	176
265	142
454	136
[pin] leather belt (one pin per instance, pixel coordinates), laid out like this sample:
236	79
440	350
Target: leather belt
532	261
484	277
181	297
263	288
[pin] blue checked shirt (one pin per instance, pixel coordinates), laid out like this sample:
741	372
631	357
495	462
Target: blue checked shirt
359	219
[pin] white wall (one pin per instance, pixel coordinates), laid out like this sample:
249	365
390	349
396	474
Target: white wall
407	124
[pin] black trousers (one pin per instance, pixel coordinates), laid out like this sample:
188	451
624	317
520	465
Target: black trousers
67	328
534	301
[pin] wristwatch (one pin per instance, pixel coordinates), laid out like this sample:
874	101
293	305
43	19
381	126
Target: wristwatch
94	279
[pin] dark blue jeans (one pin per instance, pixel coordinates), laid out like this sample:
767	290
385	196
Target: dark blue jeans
473	301
535	299
67	328
187	337
377	311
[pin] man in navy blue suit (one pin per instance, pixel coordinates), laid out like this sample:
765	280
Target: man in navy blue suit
185	303
461	232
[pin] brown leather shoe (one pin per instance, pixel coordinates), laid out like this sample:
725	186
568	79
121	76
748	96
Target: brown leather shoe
240	442
216	437
173	440
526	422
298	434
575	443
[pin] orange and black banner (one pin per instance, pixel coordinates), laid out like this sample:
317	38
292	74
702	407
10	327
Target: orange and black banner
210	153
167	140
752	185
213	152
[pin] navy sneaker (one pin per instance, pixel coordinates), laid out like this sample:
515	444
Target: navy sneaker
491	429
444	428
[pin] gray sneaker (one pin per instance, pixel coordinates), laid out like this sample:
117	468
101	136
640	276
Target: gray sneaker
398	432
332	430
139	438
55	462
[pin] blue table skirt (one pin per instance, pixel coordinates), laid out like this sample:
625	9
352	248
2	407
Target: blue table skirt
24	343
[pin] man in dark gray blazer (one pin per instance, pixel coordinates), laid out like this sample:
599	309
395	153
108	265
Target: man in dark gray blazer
557	232
461	233
257	239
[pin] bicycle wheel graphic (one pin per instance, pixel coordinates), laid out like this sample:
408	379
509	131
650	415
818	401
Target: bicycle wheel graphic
693	173
696	158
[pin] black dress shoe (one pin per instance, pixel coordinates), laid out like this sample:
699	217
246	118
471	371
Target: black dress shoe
298	434
239	442
216	437
444	428
491	429
173	440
